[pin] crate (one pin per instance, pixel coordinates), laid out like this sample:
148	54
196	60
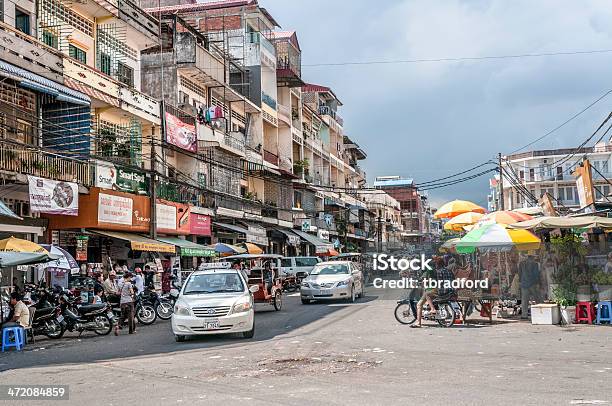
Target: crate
545	313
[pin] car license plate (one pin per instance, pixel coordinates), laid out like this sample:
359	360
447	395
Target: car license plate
60	318
326	292
110	315
211	325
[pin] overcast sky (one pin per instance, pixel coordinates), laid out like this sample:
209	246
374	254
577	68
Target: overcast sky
429	120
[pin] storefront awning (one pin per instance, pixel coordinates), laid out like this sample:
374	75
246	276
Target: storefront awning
139	242
189	248
40	84
6	212
232	227
320	245
292	238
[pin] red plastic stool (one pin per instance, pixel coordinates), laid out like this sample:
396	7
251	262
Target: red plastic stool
585	311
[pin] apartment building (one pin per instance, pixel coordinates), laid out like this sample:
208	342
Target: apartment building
388	220
542	171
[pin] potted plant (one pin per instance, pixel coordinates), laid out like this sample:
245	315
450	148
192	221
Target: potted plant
565	296
603	285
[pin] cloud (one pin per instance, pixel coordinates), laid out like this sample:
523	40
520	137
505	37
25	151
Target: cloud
429	120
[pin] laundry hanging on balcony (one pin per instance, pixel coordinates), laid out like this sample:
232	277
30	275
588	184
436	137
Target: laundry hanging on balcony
207	115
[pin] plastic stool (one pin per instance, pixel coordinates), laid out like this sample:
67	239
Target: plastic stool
585	311
12	337
607	316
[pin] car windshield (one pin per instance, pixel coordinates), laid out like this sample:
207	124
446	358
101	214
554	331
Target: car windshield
213	283
330	270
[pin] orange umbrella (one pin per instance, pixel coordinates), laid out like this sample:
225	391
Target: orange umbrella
465	219
251	248
456	207
505	217
330	252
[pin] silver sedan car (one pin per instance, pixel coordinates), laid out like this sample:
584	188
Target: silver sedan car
333	280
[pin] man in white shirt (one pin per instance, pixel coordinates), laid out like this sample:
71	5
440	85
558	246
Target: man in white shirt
139	281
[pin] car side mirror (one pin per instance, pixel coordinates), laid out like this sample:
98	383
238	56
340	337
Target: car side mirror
253	288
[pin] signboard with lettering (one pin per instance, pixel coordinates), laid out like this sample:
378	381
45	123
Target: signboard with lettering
109	176
165	216
114	209
53	197
200	224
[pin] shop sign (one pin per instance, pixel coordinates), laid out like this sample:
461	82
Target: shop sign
108	176
115	209
584	184
323	234
306	225
257	239
197	252
181	134
81	247
165	216
293	240
200	225
53	197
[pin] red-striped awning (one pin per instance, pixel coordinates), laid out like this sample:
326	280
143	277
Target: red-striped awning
91	92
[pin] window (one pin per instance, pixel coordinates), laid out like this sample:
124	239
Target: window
25	132
531	174
306	261
77	53
125	74
105	63
561	196
50	39
22	21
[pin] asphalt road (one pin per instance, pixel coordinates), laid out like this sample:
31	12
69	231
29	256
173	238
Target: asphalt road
330	354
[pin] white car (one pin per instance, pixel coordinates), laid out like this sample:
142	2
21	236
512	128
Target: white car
333	280
298	265
214	301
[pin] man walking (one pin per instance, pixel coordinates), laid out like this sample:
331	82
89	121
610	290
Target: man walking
126	292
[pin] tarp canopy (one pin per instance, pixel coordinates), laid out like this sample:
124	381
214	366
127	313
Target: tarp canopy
8	258
139	242
321	246
6	212
189	248
548	222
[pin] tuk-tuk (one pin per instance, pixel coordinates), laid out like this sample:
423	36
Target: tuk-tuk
262	270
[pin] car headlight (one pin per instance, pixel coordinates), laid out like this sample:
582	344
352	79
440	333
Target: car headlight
343	283
180	309
242	306
305	284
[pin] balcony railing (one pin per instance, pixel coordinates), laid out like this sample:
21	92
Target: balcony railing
234	141
270	157
284	113
190	54
36	162
327	111
28	53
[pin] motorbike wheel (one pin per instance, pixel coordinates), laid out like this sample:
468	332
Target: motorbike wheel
57	327
446	310
105	323
278	300
164	310
146	315
404	313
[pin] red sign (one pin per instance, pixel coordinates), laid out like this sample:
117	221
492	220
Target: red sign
181	134
200	224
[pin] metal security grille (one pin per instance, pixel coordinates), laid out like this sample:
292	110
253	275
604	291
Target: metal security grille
120	142
112	53
57	21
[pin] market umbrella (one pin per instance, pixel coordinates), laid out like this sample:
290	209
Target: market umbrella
548	222
449	245
464	219
457	207
13	244
64	262
9	258
505	217
230	249
497	237
251	248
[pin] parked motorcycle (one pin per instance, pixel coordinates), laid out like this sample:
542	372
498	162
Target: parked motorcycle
48	319
98	318
446	306
163	305
145	311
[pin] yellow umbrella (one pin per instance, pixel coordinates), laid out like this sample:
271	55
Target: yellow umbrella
456	207
251	248
13	244
465	219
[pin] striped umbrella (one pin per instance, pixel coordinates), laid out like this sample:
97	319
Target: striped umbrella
456	207
496	237
505	217
465	219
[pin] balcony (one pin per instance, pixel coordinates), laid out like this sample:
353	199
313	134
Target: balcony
268	100
133	15
26	52
270	157
140	104
197	62
231	142
288	63
91	81
284	114
36	162
328	111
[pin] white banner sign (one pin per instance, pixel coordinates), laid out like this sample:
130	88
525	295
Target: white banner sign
165	216
53	197
115	209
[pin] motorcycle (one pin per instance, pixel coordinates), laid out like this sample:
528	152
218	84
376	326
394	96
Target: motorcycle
144	310
98	318
163	305
48	319
446	310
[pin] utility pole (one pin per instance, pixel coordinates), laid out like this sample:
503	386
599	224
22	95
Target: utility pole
153	188
500	197
379	233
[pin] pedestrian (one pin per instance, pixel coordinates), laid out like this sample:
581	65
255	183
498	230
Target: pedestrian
148	275
97	299
110	284
126	301
608	267
139	280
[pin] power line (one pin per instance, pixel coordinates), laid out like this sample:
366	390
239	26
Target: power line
460	59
